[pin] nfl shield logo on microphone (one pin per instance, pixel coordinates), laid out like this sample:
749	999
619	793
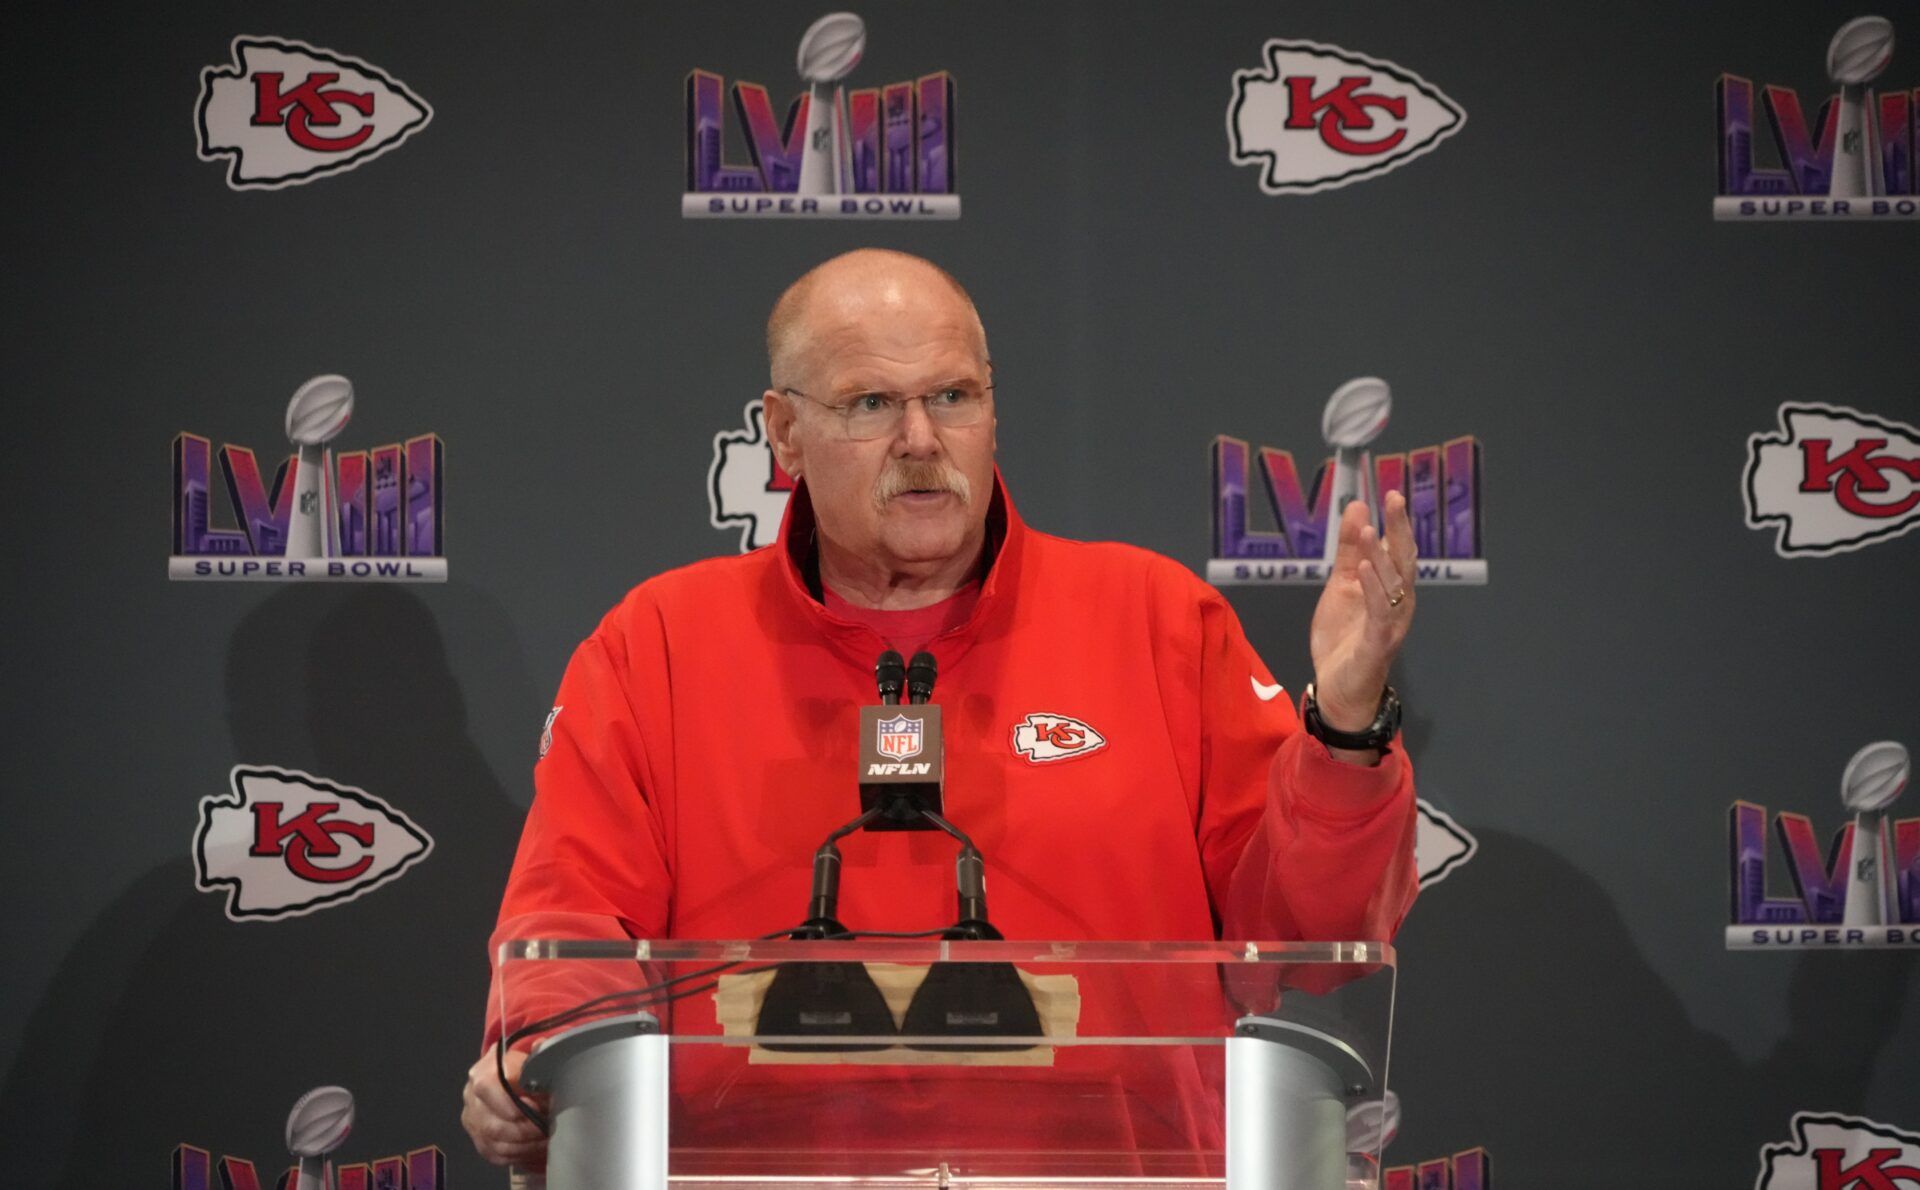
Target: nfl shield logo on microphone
899	737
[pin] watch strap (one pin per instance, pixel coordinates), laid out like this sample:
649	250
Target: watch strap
1377	735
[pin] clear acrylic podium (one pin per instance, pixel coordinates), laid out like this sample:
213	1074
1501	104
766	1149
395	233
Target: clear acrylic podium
963	1064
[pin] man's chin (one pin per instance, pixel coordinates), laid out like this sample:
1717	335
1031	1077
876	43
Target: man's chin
926	543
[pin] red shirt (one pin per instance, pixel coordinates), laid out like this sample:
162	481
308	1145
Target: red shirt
908	629
1113	745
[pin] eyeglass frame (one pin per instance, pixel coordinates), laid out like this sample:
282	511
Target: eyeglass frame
895	401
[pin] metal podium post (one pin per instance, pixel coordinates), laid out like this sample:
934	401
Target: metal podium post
1287	1092
608	1086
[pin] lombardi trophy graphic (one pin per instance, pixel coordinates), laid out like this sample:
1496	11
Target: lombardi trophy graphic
1856	56
829	50
315	416
1355	415
317	1125
1873	781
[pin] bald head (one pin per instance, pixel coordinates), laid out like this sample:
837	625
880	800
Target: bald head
850	289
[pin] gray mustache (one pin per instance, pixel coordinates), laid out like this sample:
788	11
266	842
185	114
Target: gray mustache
926	477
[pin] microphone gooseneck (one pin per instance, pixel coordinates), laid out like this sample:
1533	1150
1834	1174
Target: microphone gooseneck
823	904
970	878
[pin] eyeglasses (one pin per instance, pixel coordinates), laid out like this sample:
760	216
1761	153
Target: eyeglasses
868	416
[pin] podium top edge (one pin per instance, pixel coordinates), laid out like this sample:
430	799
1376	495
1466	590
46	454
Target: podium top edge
896	950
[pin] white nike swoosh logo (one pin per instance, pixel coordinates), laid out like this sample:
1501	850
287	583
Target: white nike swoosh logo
1265	693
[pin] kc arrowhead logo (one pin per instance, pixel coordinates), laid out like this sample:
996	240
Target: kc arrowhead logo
1319	117
1041	737
745	486
287	113
1834	479
1835	1152
287	843
1439	843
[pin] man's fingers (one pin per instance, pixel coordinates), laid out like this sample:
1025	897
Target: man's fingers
511	1154
493	1097
1400	536
503	1141
493	1100
486	1120
1379	600
1353	524
1389	574
501	1132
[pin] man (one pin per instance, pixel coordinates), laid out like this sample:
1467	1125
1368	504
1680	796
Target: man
1113	744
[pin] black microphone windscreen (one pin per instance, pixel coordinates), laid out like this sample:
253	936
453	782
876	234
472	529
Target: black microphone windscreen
890	673
921	672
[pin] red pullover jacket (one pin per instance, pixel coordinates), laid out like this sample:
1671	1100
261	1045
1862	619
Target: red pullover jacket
703	742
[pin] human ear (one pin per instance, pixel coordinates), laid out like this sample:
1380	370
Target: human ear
778	417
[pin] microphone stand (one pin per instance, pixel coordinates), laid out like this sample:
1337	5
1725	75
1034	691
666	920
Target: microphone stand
971	999
825	999
970	879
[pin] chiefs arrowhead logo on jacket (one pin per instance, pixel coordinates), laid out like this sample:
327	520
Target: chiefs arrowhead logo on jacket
1042	737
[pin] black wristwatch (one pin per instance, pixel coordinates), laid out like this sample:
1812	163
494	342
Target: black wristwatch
1376	735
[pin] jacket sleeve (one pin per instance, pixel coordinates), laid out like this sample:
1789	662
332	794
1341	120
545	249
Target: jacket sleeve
593	860
1296	845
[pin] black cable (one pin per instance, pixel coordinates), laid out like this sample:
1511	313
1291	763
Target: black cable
891	933
585	1008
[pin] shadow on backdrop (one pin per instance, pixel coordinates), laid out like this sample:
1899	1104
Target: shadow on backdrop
1520	962
168	1023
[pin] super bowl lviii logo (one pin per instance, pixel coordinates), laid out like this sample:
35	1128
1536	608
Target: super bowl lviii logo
1862	893
1851	159
317	1127
286	112
881	152
1833	479
1316	117
1441	484
359	516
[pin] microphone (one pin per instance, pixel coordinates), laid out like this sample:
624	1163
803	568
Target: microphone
902	756
920	674
891	673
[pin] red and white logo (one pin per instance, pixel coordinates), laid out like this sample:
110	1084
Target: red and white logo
1837	1152
287	843
546	730
1439	843
899	737
1041	738
745	486
287	112
1833	479
1318	117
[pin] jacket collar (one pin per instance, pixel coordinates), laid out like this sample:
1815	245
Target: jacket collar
795	556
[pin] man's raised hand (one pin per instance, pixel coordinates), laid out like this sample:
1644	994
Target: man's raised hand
1363	614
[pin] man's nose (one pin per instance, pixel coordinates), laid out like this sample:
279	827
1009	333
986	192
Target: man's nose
918	434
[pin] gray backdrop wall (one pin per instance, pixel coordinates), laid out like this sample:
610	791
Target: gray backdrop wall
516	278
